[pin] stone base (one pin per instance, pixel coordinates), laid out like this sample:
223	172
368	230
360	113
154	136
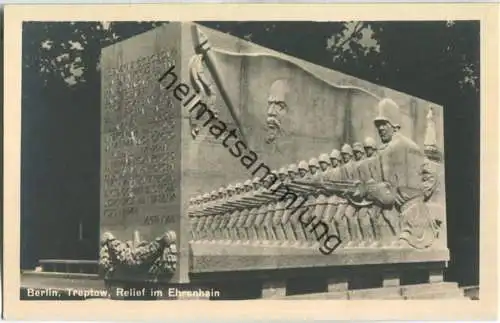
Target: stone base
223	258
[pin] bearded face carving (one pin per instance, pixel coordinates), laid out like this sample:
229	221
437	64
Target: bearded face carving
276	109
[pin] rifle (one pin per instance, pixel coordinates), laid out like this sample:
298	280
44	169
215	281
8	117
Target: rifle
353	191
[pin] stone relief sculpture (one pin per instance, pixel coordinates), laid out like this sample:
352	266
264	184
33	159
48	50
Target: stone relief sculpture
370	196
276	110
430	140
203	86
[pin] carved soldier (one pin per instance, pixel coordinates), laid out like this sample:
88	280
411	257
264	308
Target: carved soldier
193	216
203	219
208	234
347	167
350	173
229	214
272	183
364	167
219	214
249	223
238	189
325	166
332	216
309	217
278	228
376	231
243	216
321	199
290	206
297	226
402	162
259	217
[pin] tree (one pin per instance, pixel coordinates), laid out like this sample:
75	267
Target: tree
61	114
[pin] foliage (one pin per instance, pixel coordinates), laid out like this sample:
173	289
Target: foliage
69	52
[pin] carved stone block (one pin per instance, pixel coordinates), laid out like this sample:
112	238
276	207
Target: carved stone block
157	154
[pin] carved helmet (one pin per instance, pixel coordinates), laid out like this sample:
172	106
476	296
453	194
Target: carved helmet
335	154
292	168
248	184
358	147
388	110
313	162
323	158
303	165
256	182
230	189
238	187
221	192
214	195
206	197
282	171
370	143
346	149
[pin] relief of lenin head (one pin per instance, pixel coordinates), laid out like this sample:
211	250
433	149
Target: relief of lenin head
276	109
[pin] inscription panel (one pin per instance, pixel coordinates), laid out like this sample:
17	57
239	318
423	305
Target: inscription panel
140	144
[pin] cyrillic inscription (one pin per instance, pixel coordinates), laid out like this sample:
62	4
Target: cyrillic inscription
140	142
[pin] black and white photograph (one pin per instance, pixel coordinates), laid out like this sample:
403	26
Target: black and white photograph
250	159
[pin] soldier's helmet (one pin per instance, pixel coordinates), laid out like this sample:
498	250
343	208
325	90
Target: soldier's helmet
335	154
214	195
358	147
282	171
323	158
303	165
388	110
230	189
238	187
292	168
346	149
313	162
221	192
370	143
248	184
206	197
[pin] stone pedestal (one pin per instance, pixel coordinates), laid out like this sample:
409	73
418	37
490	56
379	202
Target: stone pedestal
273	289
391	279
436	275
337	284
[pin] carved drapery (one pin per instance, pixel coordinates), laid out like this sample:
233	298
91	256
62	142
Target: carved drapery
155	258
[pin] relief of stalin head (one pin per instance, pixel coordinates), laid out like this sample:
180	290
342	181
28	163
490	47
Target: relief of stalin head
276	109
